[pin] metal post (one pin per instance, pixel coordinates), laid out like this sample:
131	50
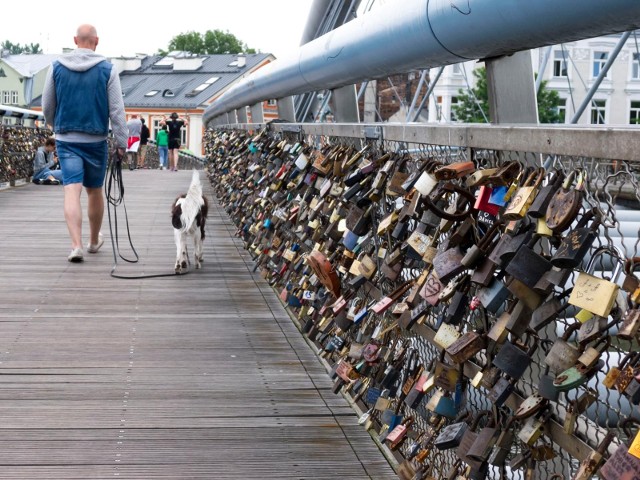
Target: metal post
370	102
511	90
601	76
423	78
425	99
345	104
257	113
543	66
286	110
241	113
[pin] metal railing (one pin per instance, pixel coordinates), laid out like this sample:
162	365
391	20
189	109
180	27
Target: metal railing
608	156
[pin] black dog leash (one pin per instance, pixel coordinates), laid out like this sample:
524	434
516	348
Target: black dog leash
114	193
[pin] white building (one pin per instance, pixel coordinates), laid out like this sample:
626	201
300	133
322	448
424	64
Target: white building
571	70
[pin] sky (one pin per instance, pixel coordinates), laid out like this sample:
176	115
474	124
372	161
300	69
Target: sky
129	27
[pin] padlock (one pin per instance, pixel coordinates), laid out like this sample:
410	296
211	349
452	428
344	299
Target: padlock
530	406
513	360
524	196
533	428
566	202
451	435
446	335
549	311
466	346
577	407
479	251
483	201
501	391
563	355
447	264
628	330
501	448
575	376
592	353
486	438
545	385
625	461
577	242
493	297
398	434
527	265
538	208
469	437
628	368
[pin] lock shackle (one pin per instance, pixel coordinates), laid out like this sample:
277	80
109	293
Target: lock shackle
570	330
614	252
568	181
492	236
594	216
625	425
630	357
479	416
445	188
599	342
534	178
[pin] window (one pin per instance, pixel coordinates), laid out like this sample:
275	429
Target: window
6	97
559	64
152	93
634	112
562	110
168	93
635	66
598	112
14	97
454	102
599	60
457	69
202	86
272	102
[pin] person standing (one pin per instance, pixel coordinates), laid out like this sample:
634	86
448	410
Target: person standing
175	134
82	93
144	139
134	127
43	162
162	141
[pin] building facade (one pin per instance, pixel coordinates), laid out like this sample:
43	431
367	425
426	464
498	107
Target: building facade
571	70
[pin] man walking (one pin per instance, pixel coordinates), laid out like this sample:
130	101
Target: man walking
82	93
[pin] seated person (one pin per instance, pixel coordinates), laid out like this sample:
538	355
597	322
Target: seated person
44	163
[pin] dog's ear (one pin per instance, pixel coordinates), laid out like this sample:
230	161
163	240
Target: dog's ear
176	216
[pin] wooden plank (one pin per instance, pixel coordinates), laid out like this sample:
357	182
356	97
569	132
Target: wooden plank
198	376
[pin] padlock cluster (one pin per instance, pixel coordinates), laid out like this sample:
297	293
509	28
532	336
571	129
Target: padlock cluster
18	146
497	267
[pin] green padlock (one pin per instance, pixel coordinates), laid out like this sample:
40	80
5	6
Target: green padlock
575	376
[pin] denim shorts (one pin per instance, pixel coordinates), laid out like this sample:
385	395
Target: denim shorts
83	162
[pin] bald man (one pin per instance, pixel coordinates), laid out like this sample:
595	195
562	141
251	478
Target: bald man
82	93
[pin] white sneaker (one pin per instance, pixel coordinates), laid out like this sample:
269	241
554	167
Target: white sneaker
95	248
75	255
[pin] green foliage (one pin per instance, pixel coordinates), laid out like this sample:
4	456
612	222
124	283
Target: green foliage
212	42
16	48
468	111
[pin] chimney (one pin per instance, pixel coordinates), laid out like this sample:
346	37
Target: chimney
242	61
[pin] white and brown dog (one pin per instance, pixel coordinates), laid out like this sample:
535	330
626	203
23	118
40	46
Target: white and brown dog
188	216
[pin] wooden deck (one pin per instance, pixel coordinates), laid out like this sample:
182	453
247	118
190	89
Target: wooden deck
202	376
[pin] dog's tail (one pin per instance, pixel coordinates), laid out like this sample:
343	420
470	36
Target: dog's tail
190	204
195	189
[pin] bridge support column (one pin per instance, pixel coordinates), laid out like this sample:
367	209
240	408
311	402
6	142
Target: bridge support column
257	113
286	110
344	104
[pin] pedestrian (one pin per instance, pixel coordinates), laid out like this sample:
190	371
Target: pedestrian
144	139
44	162
82	93
175	134
134	128
162	141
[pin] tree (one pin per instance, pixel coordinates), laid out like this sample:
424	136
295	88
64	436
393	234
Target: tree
16	49
468	111
210	43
